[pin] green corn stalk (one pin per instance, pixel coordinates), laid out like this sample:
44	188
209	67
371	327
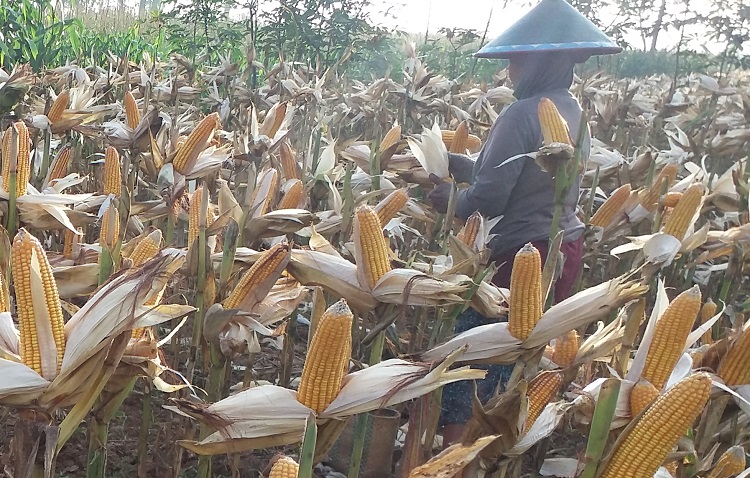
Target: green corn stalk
603	414
307	451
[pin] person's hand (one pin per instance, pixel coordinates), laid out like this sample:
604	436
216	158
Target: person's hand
440	194
460	167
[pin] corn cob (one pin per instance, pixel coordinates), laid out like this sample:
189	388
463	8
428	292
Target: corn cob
16	155
612	206
284	467
60	104
68	244
671	199
4	295
391	205
132	114
734	367
672	468
525	292
292	199
112	173
28	258
289	166
146	248
731	463
209	292
258	272
683	213
554	127
541	390
651	196
566	349
460	138
194	215
197	141
262	195
277	119
641	396
391	137
109	232
469	232
644	449
59	168
370	246
327	359
473	143
707	311
670	333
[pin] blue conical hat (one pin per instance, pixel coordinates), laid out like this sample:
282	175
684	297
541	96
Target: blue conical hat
553	25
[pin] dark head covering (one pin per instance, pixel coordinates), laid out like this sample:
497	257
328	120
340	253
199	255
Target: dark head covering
553	25
543	72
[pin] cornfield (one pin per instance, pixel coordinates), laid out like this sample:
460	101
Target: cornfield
199	278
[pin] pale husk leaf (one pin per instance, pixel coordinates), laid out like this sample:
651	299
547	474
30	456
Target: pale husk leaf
411	287
486	343
452	460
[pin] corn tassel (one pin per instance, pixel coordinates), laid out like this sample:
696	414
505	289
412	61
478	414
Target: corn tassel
670	333
731	463
146	248
525	292
32	275
470	230
289	166
554	127
258	272
132	114
650	198
460	139
195	143
641	396
392	137
611	207
644	449
58	107
293	197
391	205
371	248
566	349
707	311
16	157
284	467
59	168
684	212
328	358
541	390
112	172
734	367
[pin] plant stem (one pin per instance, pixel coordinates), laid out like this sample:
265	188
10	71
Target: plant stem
146	420
600	424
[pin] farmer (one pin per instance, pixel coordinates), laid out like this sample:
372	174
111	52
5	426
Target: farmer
543	48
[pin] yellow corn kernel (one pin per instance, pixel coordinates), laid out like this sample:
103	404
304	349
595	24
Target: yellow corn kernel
266	264
554	127
734	367
58	106
611	207
473	143
525	292
278	119
644	449
146	248
289	166
109	232
684	212
470	230
650	198
731	463
294	196
670	333
671	199
28	258
68	244
327	359
370	247
566	349
541	390
707	312
672	468
16	158
460	138
209	292
392	137
641	396
284	467
132	114
391	205
59	168
265	191
112	172
196	142
4	295
194	215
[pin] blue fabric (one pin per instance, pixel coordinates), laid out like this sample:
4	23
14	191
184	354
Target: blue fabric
457	396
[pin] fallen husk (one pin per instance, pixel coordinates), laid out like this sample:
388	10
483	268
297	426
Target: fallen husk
451	460
264	415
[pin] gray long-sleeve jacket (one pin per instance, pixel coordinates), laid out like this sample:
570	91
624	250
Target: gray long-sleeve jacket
519	190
